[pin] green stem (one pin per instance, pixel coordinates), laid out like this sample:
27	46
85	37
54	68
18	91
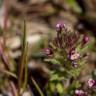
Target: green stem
37	87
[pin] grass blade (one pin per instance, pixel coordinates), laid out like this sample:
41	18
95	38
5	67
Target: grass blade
23	58
37	87
26	68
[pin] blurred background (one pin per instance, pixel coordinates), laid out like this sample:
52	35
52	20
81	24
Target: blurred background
41	17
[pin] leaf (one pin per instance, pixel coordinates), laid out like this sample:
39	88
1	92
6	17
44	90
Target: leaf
53	61
74	72
73	4
76	84
8	73
26	68
52	87
54	77
37	87
59	87
23	62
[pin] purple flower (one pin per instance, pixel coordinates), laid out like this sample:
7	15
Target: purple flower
72	51
73	55
91	83
85	39
80	93
59	27
48	51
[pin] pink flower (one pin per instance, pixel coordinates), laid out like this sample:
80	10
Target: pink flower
48	51
59	27
80	93
91	83
74	55
85	39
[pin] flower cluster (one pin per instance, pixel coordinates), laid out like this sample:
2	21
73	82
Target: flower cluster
74	55
80	93
70	42
67	52
91	83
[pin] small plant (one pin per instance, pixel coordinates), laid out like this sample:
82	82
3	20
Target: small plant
67	54
21	70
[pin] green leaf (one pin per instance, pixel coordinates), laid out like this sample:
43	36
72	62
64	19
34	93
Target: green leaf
52	87
76	84
73	4
54	77
26	68
23	62
59	87
74	72
37	87
53	61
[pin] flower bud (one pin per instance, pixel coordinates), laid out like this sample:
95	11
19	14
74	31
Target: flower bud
59	27
85	39
74	64
48	51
